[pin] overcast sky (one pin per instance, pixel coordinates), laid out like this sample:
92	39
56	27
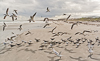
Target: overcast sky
26	8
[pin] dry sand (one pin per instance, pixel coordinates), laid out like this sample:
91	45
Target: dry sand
34	52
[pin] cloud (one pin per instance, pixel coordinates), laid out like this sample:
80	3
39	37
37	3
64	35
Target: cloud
57	8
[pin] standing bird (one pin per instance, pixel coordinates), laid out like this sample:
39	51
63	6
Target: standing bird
4	26
74	24
15	11
48	10
6	13
20	27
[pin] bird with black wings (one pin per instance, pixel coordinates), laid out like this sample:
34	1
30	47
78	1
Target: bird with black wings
6	13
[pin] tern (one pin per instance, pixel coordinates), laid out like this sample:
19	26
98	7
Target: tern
68	17
4	26
6	13
15	11
48	10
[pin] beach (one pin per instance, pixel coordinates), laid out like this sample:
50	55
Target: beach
33	52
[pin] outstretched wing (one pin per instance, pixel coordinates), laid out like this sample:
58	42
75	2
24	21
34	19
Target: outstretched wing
72	26
4	17
77	33
34	14
7	10
48	9
12	18
5	24
14	15
45	25
44	19
68	17
16	11
3	28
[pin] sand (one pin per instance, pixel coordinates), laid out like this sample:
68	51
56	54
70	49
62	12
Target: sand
33	52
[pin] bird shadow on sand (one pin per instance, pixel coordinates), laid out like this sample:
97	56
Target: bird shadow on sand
59	46
33	51
3	48
78	59
41	49
70	51
6	50
93	57
50	52
52	58
20	50
19	46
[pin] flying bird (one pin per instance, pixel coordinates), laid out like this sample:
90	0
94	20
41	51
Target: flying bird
15	11
4	26
4	16
45	19
77	33
68	17
73	25
34	14
20	27
53	29
86	31
64	14
48	10
29	20
16	18
32	17
46	25
12	17
6	13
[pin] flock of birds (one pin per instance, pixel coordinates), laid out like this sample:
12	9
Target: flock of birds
14	17
51	44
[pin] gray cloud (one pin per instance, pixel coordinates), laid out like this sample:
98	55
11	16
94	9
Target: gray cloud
57	7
